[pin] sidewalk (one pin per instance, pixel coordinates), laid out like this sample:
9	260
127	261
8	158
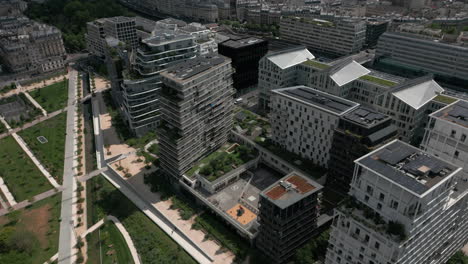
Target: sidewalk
35	103
127	238
26	203
8	195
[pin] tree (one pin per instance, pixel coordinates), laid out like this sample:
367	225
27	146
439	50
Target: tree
23	241
458	258
313	250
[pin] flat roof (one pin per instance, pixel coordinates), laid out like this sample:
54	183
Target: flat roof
456	112
365	116
244	42
408	166
189	68
310	96
290	189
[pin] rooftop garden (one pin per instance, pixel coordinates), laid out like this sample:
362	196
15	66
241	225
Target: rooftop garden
374	220
227	158
249	121
444	99
377	80
306	165
316	64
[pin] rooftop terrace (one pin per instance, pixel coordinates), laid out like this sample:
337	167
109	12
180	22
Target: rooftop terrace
239	43
456	113
366	116
408	166
319	99
189	68
290	189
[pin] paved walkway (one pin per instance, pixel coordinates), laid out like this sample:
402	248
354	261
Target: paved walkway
127	238
67	238
38	164
3	203
8	195
93	228
32	123
92	174
52	259
35	103
26	203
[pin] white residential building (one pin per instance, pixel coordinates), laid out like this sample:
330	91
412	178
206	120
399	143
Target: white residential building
337	38
303	121
406	207
279	70
447	134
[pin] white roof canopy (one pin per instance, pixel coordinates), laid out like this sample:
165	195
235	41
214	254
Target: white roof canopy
419	94
291	58
349	73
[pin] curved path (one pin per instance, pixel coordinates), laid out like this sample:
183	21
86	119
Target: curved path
127	238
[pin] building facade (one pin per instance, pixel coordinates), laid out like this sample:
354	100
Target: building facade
245	54
423	53
407	207
120	28
358	133
31	47
287	216
196	111
446	134
279	70
338	38
303	121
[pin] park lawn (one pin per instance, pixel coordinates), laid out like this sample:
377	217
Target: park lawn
152	244
112	243
50	154
2	128
21	176
37	227
53	97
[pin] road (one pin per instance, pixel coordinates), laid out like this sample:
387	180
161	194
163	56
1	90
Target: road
67	239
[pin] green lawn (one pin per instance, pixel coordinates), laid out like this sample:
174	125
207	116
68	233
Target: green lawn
53	97
111	242
317	64
444	99
51	154
153	245
377	80
22	177
2	128
31	235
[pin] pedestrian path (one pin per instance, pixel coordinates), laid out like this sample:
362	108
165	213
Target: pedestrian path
35	103
8	195
26	203
93	228
52	259
127	238
8	127
38	164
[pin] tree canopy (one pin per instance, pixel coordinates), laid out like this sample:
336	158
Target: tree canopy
70	16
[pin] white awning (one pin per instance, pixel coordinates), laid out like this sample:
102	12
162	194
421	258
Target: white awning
285	60
349	73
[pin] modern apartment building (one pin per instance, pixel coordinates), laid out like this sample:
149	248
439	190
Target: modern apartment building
406	207
287	216
196	111
447	132
358	132
139	91
279	70
120	28
31	47
423	53
303	121
338	38
245	53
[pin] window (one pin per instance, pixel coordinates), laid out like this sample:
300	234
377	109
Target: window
370	190
381	197
394	204
366	198
366	239
455	155
453	133
357	231
463	137
379	206
377	245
